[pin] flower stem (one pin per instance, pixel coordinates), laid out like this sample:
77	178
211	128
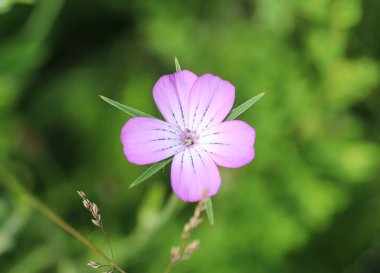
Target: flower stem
10	182
109	243
169	267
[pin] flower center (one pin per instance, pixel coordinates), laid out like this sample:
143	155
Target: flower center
189	137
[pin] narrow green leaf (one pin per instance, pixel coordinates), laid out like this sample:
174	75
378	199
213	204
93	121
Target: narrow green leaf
150	171
244	107
209	211
129	110
177	66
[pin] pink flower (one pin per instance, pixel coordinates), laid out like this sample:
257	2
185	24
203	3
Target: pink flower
194	132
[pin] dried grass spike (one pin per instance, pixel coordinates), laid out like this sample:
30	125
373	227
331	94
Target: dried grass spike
82	194
191	248
92	208
94	264
176	254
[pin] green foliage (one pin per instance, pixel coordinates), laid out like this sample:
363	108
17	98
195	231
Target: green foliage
5	5
312	184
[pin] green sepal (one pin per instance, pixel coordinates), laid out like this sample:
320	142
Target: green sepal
150	171
129	110
244	107
209	210
177	66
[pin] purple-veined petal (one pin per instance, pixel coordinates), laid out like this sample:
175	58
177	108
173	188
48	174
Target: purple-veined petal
194	174
229	143
211	99
149	140
171	94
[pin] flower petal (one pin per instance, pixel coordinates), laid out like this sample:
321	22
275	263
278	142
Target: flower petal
229	143
171	94
211	99
149	140
194	174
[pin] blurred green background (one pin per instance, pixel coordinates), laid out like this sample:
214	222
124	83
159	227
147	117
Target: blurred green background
309	202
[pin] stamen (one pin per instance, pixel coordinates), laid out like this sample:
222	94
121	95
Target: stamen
189	137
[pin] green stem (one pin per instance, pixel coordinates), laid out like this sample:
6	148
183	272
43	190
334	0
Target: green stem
108	243
169	267
9	181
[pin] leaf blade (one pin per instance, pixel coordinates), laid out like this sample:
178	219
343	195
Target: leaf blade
150	171
209	211
244	107
129	110
177	66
